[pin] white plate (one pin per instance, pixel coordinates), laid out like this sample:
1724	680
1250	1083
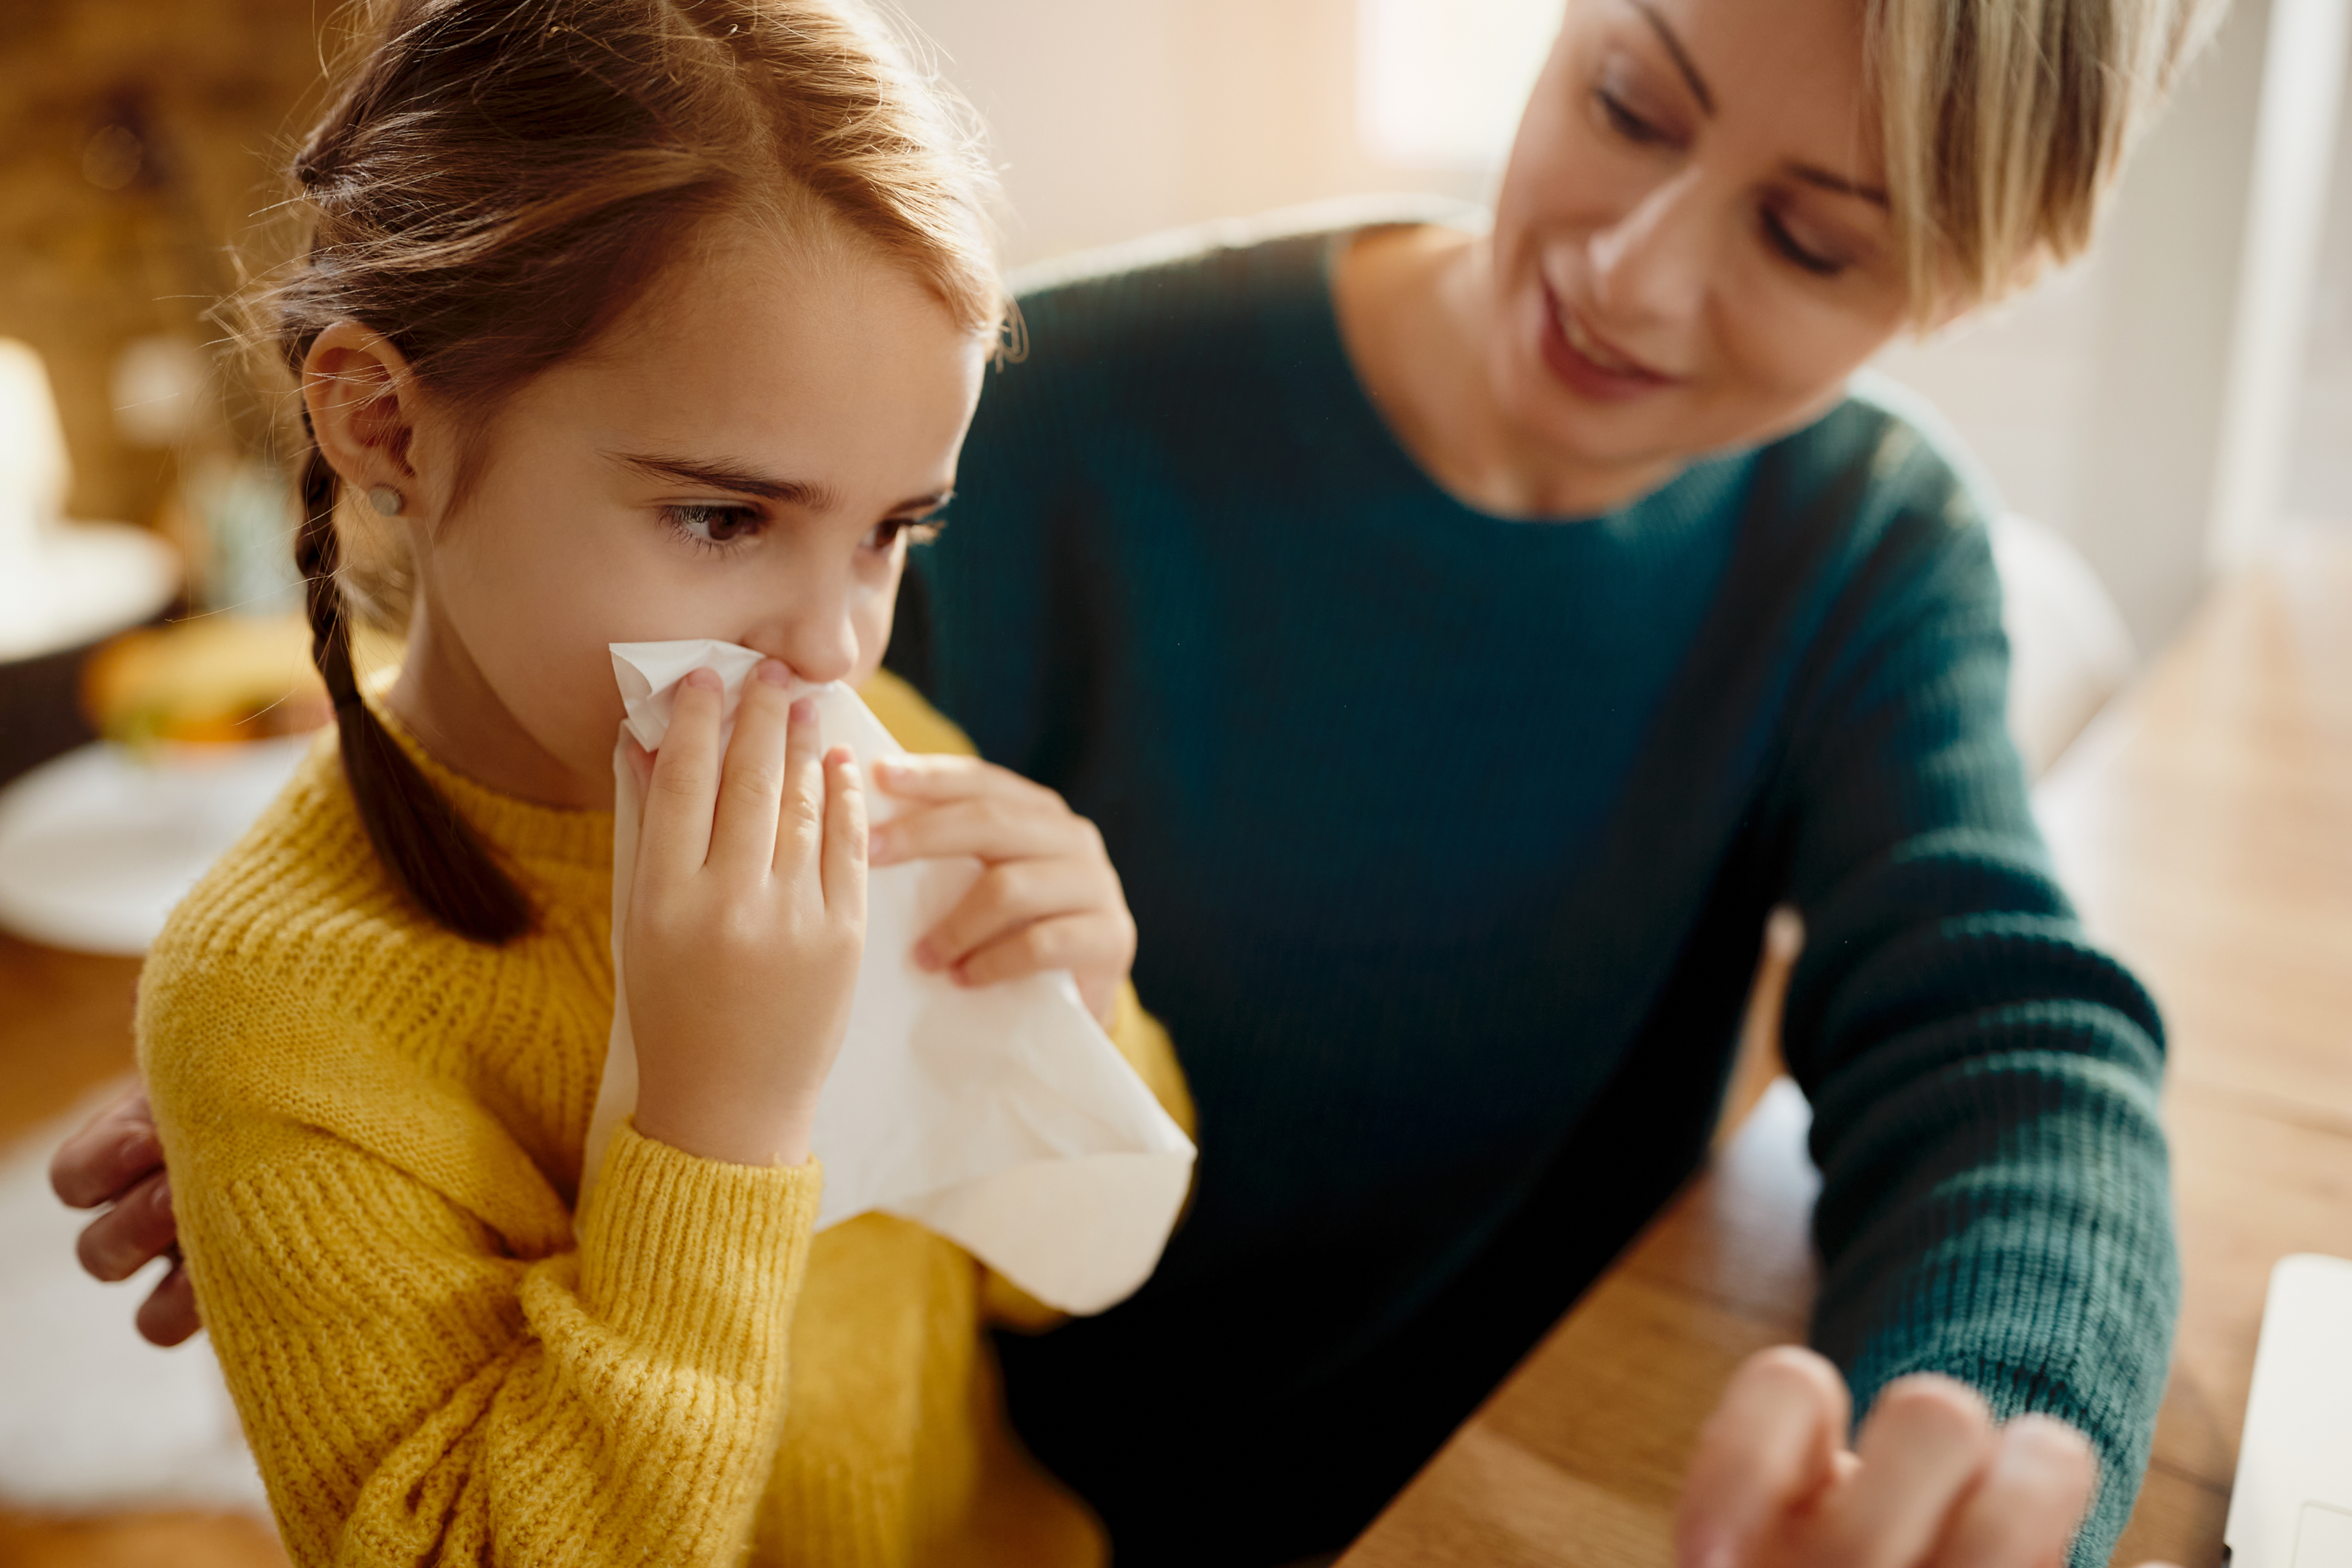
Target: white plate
97	846
80	582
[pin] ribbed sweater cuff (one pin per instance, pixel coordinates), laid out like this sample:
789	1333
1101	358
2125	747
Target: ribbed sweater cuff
698	1256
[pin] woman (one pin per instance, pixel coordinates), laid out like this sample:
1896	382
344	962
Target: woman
1463	641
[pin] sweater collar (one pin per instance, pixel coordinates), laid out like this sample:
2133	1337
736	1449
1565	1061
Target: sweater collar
528	832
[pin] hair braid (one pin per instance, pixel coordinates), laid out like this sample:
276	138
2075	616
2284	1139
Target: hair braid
492	183
433	853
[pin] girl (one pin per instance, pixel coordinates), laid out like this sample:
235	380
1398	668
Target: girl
631	320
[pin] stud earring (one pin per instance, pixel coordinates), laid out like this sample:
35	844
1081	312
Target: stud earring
385	500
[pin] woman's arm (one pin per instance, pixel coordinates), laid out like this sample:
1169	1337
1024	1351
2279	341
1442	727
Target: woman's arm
1984	1080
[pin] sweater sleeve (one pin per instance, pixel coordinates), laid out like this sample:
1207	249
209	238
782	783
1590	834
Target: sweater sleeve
1984	1080
422	1381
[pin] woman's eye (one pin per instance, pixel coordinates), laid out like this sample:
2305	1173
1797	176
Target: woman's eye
1776	230
710	523
1625	122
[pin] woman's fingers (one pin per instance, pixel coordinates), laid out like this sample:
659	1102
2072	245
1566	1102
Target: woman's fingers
135	1232
757	779
1924	1443
1772	1443
1008	896
168	1315
844	837
113	1152
2024	1512
676	838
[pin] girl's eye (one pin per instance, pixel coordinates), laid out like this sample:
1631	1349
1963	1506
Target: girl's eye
884	536
1776	230
711	524
1625	122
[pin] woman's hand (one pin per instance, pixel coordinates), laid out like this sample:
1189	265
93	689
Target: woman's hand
117	1158
747	916
1930	1482
1048	899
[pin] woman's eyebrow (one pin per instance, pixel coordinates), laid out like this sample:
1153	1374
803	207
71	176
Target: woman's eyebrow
723	477
1811	173
1681	55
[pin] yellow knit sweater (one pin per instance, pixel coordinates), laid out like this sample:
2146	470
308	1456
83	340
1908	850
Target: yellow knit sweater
374	1132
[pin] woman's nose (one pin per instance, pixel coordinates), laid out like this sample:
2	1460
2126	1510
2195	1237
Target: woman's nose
1653	263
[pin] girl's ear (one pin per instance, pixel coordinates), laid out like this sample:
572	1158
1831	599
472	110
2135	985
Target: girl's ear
362	399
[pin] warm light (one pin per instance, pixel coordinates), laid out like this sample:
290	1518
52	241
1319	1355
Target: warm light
1440	82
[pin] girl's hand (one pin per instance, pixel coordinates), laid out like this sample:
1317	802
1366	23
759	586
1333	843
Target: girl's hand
1048	899
746	920
1931	1481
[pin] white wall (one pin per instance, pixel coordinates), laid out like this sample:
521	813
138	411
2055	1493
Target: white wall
1117	118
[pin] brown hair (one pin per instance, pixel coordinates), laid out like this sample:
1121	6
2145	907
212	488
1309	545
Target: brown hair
495	181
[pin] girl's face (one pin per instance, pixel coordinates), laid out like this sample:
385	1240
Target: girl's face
744	456
1692	246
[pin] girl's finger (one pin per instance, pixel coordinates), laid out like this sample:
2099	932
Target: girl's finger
1772	1444
676	838
2024	1513
844	837
800	833
1926	1441
1065	942
1008	896
132	1234
937	778
753	782
992	827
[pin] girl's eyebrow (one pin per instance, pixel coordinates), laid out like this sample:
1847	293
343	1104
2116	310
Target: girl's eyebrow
723	477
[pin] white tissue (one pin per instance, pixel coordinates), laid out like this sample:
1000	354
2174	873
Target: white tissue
1002	1118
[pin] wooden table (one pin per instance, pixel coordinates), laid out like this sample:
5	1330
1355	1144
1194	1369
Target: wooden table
2205	825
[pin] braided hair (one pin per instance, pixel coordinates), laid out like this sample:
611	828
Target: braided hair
495	181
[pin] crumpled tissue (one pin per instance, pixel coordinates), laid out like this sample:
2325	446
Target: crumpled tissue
1001	1117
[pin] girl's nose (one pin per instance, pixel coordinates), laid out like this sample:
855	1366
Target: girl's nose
821	645
1652	264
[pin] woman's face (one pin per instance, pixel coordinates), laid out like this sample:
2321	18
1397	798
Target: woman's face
1692	247
743	458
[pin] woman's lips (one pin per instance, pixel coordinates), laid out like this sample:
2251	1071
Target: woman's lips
1587	363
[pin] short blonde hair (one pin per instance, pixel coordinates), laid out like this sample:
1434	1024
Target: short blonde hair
2006	123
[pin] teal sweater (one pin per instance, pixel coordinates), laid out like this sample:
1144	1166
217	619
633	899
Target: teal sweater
1451	839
